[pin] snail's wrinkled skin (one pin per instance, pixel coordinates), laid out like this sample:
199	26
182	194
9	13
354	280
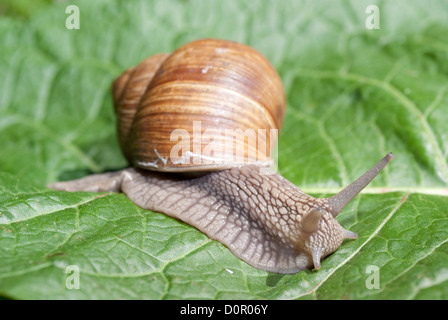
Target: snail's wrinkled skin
260	216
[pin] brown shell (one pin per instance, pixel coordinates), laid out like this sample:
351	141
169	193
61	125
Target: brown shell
174	109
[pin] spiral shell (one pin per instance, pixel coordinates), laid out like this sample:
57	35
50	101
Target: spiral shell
184	111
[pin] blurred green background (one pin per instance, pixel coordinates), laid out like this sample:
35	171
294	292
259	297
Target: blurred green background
23	8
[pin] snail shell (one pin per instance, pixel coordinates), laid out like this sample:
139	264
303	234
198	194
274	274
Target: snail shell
220	85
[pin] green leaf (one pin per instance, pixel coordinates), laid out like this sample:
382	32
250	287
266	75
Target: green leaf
353	95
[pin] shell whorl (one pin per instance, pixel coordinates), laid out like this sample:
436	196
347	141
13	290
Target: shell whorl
220	85
127	90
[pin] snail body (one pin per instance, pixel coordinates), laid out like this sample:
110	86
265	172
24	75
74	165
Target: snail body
260	216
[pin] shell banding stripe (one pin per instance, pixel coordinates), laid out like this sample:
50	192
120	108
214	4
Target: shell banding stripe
128	90
154	124
203	100
230	65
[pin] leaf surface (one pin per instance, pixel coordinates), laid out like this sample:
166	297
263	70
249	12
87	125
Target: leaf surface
353	95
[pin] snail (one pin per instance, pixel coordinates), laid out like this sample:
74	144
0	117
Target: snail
204	88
